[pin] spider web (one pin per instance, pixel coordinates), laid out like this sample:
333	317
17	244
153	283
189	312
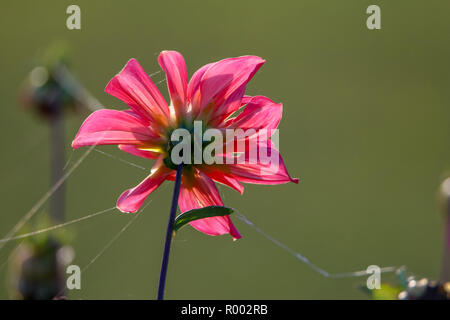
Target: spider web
70	168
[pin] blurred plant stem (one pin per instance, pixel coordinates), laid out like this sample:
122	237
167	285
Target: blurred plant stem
77	91
57	159
49	90
445	272
69	85
169	233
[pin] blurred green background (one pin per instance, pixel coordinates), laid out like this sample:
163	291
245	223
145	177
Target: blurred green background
365	127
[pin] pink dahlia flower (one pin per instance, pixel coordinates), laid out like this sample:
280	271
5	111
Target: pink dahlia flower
213	95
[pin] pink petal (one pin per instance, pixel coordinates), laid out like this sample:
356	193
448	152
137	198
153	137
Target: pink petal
227	79
174	66
253	170
245	100
138	152
259	113
108	126
193	89
230	105
132	199
204	193
218	176
134	87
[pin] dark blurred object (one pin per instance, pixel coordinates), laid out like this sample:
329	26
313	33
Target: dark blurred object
43	93
444	199
425	289
49	90
409	288
38	269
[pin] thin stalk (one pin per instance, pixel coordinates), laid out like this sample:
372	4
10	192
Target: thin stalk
445	272
169	232
57	156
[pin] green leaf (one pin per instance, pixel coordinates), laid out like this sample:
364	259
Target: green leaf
195	214
386	292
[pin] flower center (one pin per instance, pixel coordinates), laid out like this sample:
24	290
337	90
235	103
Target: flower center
186	145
